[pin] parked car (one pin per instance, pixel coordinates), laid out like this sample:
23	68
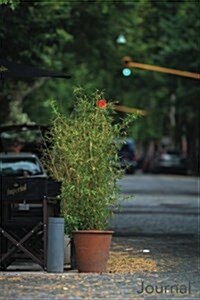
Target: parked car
170	161
127	156
21	164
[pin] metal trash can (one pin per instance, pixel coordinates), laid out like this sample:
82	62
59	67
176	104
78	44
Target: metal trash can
55	250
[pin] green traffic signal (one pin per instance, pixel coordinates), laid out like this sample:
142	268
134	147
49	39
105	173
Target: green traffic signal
126	72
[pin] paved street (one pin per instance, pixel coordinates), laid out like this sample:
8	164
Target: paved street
175	273
162	265
158	204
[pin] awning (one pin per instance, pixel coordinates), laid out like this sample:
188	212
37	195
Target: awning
14	70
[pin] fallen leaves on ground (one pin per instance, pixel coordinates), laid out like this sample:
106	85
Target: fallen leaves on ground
120	262
14	278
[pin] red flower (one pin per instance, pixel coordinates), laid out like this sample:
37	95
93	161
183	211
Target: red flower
102	103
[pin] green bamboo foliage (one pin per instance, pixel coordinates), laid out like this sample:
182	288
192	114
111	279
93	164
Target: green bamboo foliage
83	155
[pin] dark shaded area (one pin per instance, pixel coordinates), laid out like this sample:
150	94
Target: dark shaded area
13	70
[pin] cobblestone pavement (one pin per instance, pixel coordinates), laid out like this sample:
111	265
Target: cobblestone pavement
176	275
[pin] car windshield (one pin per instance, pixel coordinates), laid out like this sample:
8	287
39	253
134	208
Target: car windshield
19	167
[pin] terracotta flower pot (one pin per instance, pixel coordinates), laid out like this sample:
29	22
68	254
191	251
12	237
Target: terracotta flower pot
92	250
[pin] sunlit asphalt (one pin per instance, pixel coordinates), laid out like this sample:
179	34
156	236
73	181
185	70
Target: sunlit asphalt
157	204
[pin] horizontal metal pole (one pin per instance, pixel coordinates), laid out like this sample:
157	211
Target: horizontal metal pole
132	64
127	109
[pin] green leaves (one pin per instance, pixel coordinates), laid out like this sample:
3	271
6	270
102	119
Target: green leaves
80	39
11	3
83	155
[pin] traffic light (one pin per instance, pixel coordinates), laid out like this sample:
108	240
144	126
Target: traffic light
129	64
126	71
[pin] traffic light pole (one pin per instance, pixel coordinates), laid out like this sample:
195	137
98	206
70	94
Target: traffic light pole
130	110
131	64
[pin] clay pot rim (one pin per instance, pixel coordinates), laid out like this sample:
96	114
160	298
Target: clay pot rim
92	231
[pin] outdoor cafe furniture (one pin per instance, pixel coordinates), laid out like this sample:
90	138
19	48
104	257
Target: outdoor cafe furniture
25	206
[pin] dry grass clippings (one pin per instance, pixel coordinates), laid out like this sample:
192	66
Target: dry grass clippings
120	262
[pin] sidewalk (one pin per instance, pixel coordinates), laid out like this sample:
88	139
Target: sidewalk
167	268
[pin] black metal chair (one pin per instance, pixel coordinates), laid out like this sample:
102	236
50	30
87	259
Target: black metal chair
25	207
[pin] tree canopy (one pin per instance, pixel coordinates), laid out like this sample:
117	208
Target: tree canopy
79	37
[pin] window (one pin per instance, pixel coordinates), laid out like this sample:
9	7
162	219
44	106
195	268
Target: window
19	166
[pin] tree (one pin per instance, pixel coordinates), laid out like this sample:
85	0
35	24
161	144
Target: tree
80	37
11	3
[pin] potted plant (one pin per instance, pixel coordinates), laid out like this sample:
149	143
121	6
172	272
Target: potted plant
83	156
